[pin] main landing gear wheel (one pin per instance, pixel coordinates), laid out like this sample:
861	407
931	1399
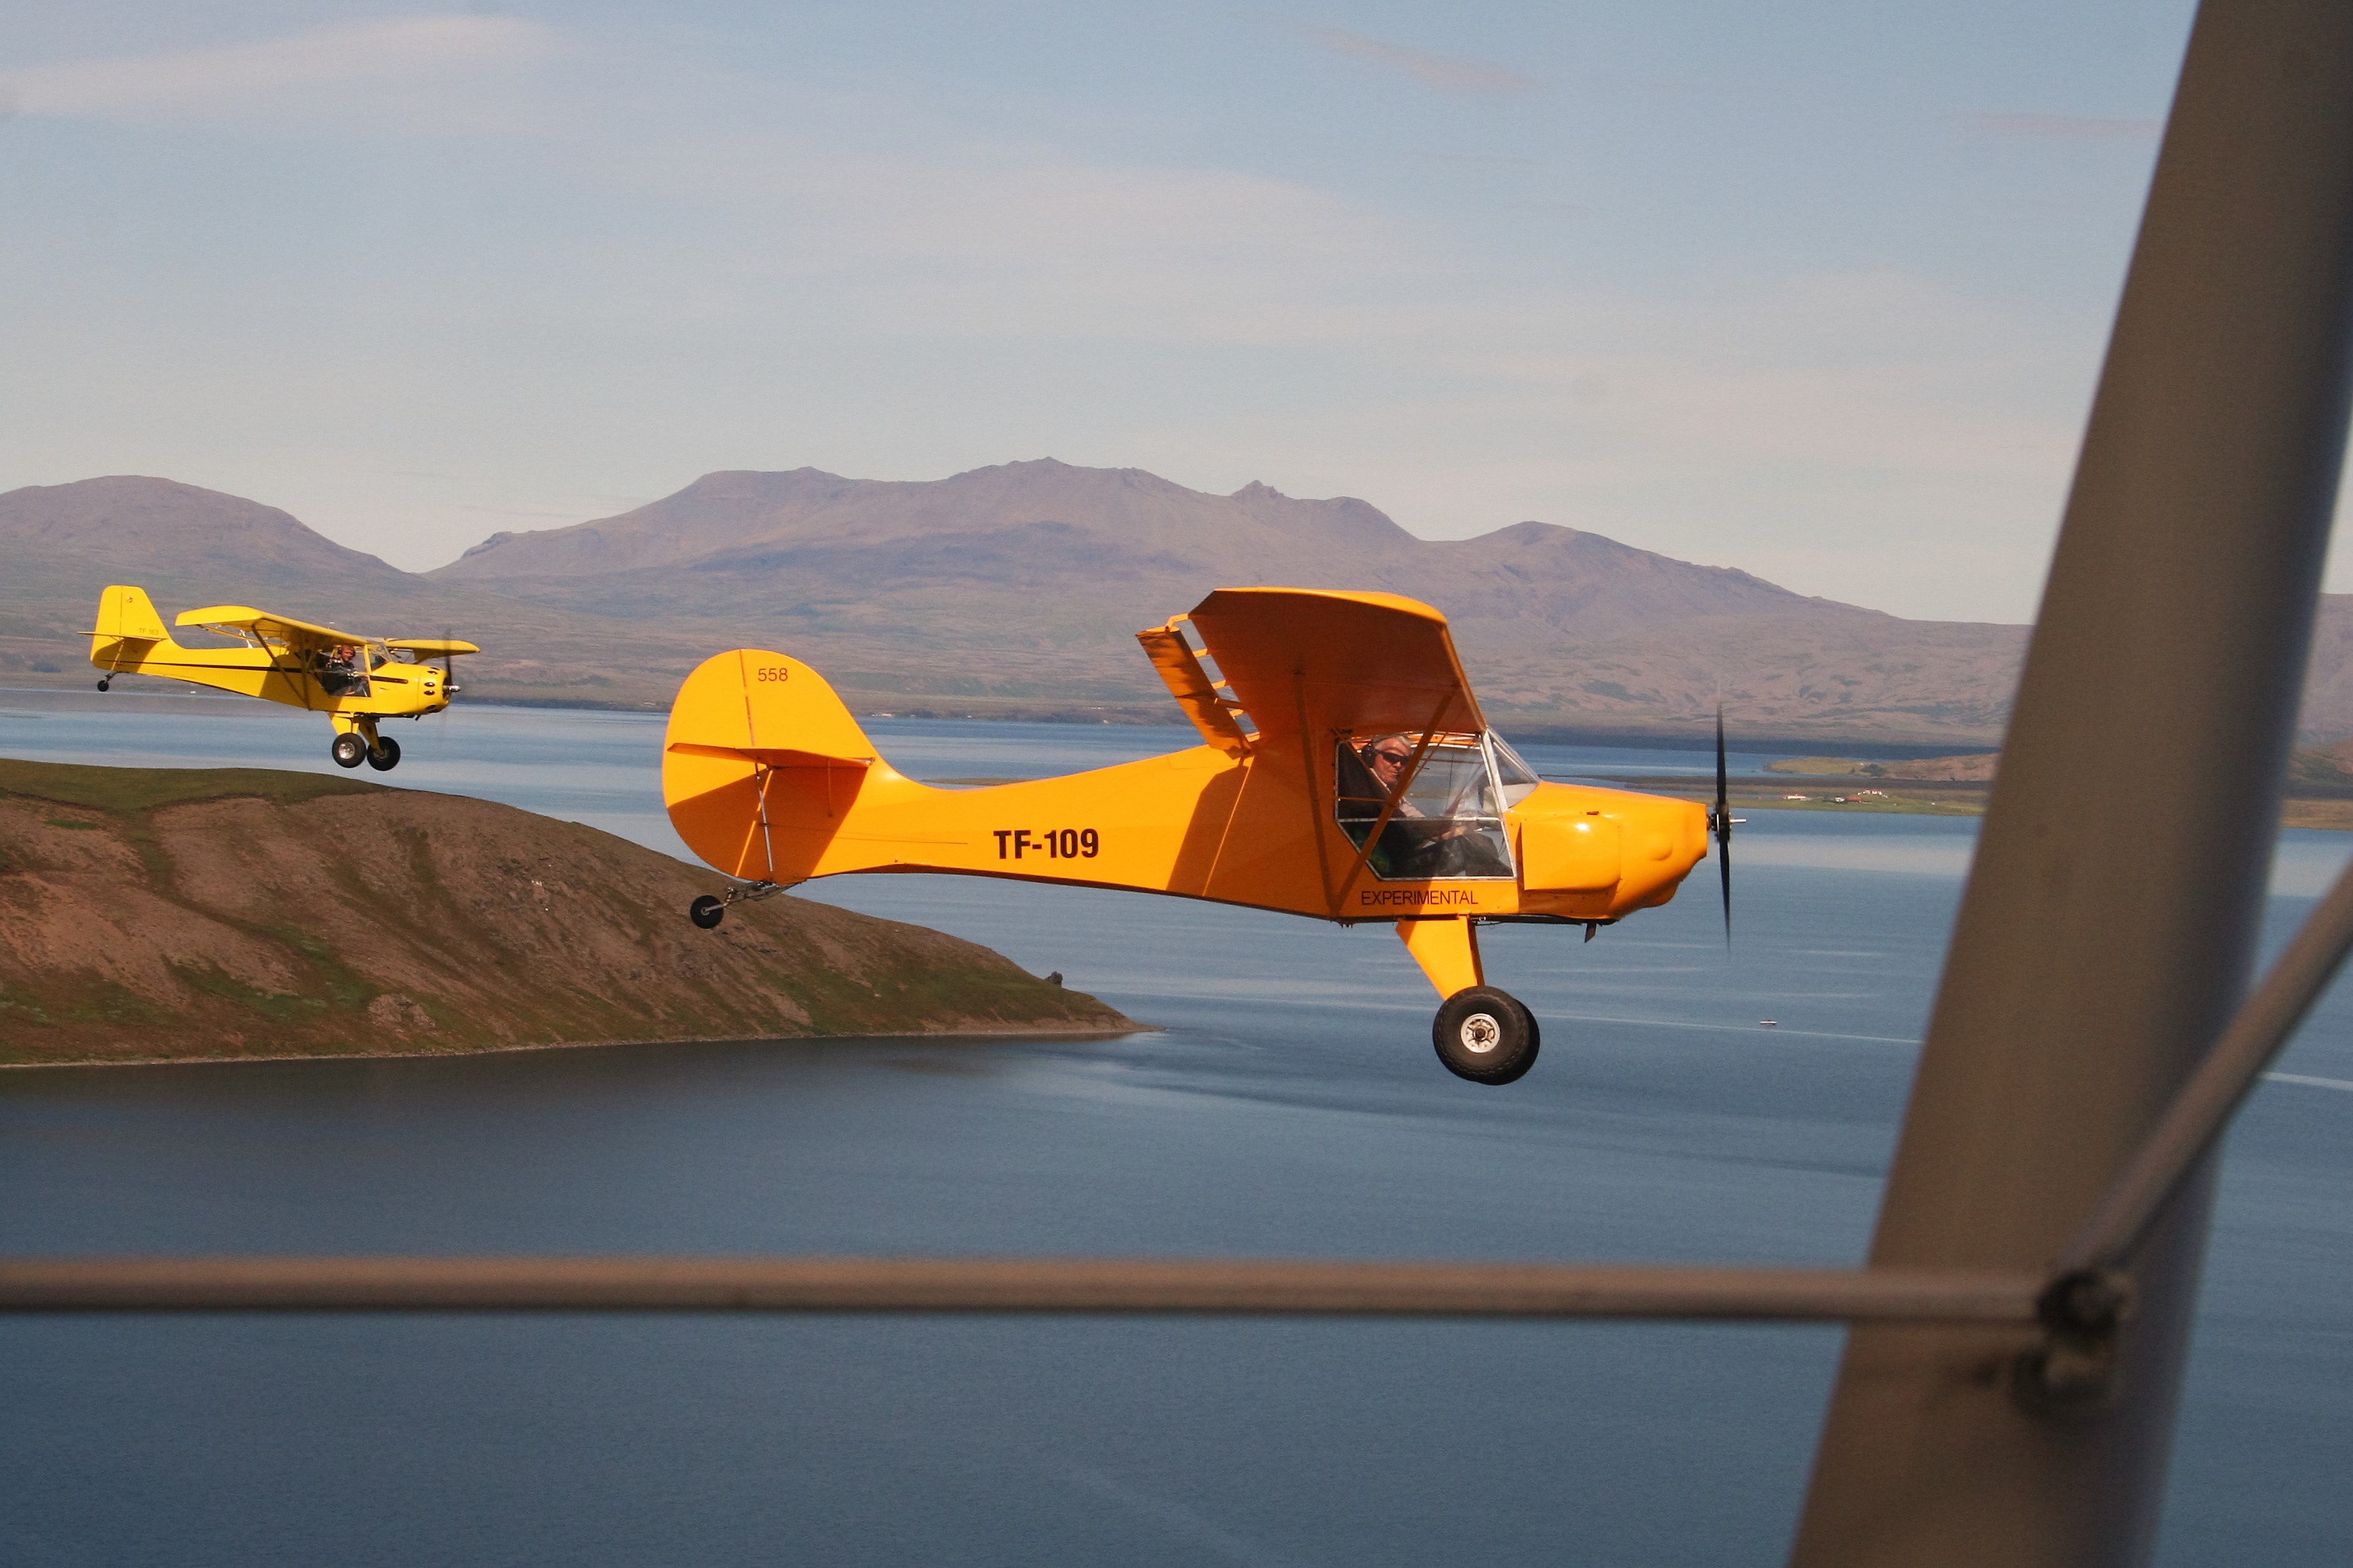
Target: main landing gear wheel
707	911
385	754
349	751
1485	1035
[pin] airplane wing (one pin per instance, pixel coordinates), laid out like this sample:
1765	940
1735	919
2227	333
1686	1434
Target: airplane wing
1304	660
301	637
431	647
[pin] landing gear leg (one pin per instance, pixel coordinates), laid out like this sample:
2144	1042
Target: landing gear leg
1481	1034
708	910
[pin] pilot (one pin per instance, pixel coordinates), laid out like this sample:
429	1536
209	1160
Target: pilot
1386	758
338	673
1441	846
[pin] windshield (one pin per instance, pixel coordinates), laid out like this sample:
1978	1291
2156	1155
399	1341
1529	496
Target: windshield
1512	774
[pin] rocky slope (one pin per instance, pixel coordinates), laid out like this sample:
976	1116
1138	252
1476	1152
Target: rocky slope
196	913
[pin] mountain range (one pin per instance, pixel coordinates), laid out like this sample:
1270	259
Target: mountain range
1016	589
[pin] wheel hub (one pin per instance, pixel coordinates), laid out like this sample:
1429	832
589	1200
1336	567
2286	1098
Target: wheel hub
1481	1034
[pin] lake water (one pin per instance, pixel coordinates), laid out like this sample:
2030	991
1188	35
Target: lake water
1291	1105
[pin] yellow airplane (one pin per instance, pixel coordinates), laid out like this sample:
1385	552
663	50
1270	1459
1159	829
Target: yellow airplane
353	680
1345	773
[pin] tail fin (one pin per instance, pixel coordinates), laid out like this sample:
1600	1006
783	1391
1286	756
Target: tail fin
126	612
760	765
126	628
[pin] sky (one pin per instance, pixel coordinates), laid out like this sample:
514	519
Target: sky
1814	290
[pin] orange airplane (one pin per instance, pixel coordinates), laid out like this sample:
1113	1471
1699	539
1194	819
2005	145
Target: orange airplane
1345	773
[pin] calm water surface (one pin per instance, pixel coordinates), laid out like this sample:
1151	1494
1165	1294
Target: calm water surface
1291	1105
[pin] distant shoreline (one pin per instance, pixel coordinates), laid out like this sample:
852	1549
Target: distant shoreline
2325	807
1164	715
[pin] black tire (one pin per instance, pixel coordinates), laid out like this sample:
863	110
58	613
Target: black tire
707	911
384	755
1486	1036
102	685
349	751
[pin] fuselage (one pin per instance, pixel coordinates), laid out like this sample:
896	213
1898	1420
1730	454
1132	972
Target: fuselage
394	688
1197	824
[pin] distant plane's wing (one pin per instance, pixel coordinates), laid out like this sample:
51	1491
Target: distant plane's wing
1331	663
300	635
431	647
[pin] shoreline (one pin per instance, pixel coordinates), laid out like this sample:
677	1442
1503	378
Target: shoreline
2326	812
941	1035
1145	711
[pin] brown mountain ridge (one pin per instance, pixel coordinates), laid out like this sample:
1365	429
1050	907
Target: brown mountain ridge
1016	589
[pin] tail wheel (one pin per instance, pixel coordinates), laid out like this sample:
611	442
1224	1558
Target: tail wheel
105	682
1486	1036
349	751
384	755
706	911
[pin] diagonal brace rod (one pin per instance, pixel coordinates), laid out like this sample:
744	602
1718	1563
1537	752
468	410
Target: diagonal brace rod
2203	1106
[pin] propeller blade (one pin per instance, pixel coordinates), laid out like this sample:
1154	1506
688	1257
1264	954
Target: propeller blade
448	676
1723	824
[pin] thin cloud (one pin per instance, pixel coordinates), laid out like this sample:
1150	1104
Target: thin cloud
2067	127
1472	79
242	77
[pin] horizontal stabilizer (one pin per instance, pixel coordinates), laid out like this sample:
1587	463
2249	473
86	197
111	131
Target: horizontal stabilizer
769	756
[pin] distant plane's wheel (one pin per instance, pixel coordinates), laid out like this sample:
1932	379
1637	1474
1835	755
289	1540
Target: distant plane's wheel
384	755
105	681
1485	1035
706	911
349	751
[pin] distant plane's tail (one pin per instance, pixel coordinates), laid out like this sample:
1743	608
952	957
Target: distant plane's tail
761	764
127	627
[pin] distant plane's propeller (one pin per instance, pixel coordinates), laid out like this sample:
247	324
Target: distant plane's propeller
1720	819
450	687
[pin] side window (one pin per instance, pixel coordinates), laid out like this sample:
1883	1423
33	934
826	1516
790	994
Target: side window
1449	820
341	670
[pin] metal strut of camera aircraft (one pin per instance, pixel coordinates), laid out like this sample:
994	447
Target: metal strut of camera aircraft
2107	933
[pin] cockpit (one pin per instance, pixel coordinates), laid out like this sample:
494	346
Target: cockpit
1436	802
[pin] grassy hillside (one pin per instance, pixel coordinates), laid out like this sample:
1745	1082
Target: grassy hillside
201	913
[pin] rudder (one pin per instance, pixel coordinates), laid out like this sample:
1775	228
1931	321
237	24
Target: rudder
760	763
127	611
126	629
